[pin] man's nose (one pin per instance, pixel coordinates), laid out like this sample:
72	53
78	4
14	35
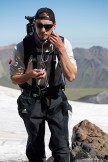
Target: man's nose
43	29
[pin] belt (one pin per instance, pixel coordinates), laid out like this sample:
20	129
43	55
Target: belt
37	92
40	91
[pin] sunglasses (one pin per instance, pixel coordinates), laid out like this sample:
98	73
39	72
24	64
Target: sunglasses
46	26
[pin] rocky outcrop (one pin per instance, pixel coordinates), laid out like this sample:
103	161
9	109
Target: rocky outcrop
89	141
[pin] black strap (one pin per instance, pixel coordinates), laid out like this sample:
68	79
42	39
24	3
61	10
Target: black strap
29	51
34	61
52	71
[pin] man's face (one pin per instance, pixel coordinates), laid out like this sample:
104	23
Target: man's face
44	28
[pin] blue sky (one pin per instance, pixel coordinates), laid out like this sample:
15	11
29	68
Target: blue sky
83	22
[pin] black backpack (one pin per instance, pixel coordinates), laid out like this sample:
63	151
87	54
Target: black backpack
30	49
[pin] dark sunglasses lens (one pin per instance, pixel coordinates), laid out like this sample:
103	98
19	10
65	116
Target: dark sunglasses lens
46	26
39	26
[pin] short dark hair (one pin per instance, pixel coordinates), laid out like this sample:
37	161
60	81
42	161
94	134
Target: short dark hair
45	14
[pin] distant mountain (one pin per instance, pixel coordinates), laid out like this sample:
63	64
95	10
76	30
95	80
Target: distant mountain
100	98
2	72
92	66
6	53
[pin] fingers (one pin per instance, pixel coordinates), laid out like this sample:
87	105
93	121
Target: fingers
56	40
53	37
39	73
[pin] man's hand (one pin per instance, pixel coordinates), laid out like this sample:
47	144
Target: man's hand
34	73
56	41
37	73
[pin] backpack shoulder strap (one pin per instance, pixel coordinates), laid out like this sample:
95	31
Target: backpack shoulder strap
53	62
64	82
29	44
29	49
62	38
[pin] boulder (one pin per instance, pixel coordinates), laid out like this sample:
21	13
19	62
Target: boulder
50	159
89	141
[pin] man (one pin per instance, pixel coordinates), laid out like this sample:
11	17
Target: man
42	78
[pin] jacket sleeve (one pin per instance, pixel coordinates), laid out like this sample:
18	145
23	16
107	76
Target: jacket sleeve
17	66
69	50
